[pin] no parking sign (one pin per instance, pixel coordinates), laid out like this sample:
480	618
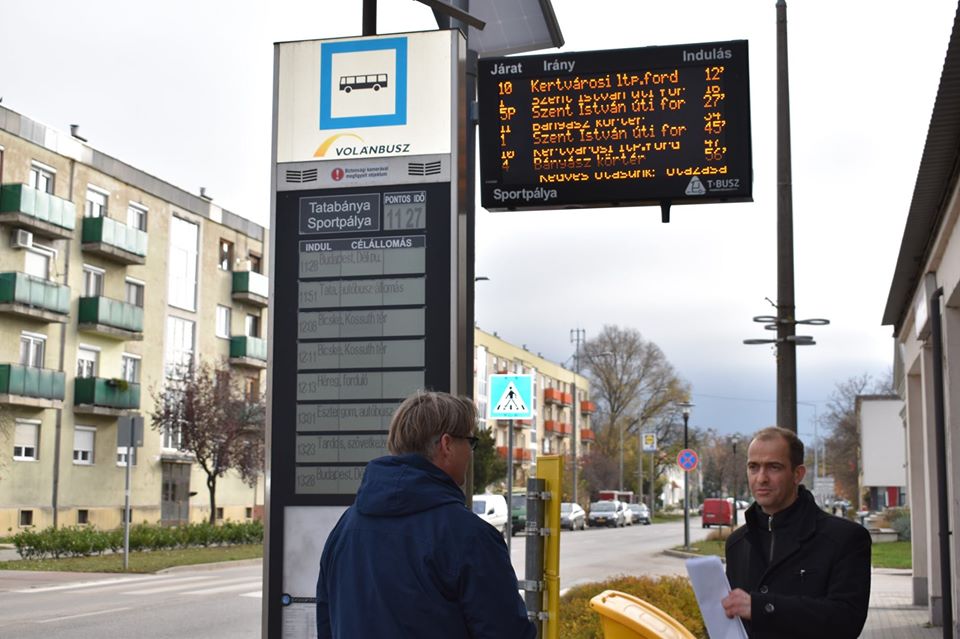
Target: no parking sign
687	459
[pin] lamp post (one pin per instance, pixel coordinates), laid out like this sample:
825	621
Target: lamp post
685	409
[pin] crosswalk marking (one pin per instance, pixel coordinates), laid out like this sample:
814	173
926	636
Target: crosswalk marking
89	584
83	614
256	594
169	586
213	591
195	585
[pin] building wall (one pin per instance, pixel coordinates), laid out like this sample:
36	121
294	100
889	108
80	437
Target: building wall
98	487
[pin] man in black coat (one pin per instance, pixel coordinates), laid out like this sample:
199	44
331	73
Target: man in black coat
795	570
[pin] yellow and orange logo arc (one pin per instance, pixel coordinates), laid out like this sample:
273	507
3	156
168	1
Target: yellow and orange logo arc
326	144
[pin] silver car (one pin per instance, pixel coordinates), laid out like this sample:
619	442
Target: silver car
641	514
572	516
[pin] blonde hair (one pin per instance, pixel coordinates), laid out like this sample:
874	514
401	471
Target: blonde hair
424	417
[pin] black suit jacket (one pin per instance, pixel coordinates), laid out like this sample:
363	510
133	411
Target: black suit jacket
817	584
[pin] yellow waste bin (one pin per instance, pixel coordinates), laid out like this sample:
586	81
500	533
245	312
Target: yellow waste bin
624	616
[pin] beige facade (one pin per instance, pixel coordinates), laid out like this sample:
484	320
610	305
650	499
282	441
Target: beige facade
108	276
562	406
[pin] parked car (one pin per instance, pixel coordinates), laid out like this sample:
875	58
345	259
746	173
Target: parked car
572	516
518	512
493	510
641	514
717	512
605	513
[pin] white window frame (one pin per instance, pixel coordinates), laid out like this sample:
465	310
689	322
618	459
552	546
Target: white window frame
48	254
137	216
182	284
126	290
174	356
95	274
33	339
172	439
122	456
136	359
85	348
35	424
39	169
225	262
252	318
224	316
90	459
95	209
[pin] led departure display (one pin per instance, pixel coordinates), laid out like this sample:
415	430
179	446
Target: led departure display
604	128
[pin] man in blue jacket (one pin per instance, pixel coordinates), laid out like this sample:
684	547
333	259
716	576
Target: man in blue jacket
408	559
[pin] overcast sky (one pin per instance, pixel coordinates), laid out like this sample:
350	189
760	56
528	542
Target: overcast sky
183	90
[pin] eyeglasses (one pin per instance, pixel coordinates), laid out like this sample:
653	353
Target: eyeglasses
473	440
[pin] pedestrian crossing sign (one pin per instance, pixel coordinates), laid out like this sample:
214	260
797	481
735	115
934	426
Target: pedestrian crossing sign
511	397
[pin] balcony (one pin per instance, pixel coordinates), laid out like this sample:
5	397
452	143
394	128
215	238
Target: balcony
42	213
114	240
31	387
587	435
252	288
552	396
248	351
557	428
111	318
101	396
587	408
567	399
519	454
33	297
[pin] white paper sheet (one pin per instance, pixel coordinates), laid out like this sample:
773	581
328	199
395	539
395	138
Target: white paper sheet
710	585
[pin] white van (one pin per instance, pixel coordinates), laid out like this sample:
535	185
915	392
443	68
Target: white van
493	510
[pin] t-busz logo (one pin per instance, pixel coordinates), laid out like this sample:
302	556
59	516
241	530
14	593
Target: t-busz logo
337	174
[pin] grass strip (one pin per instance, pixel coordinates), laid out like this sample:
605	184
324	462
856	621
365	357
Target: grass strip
140	562
896	554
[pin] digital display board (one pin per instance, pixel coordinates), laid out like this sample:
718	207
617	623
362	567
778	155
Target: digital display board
652	125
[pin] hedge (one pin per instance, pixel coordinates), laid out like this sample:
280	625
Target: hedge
673	595
83	541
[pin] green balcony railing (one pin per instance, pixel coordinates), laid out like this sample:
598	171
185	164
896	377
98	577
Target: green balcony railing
34	291
103	310
250	282
27	381
20	198
252	347
114	233
109	393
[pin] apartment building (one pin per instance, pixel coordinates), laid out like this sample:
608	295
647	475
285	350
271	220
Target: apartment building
109	279
561	404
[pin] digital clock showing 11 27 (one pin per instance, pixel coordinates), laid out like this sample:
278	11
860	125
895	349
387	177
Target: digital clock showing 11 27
654	125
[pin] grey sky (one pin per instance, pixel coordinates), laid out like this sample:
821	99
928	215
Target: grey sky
183	90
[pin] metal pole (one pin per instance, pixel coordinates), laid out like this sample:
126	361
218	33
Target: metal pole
536	520
786	309
686	490
126	503
621	459
578	334
369	17
510	478
640	465
736	471
940	436
653	479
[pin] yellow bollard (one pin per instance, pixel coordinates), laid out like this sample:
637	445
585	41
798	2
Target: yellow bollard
550	469
624	616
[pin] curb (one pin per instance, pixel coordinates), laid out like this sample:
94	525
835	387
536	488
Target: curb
680	554
211	566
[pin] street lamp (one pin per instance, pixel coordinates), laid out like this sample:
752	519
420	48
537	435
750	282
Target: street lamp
685	408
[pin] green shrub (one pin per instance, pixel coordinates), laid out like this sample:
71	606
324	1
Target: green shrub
899	520
673	595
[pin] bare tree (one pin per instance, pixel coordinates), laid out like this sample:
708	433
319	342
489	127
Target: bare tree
221	428
636	390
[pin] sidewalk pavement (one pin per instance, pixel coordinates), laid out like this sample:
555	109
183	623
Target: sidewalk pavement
892	614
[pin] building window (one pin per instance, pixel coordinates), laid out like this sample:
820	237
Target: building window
256	263
183	264
83	441
26	440
36	262
96	205
253	326
251	389
31	349
87	362
83	516
92	281
26	518
42	177
248	513
134	292
180	345
223	321
122	455
137	216
130	368
225	262
171	438
219	513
